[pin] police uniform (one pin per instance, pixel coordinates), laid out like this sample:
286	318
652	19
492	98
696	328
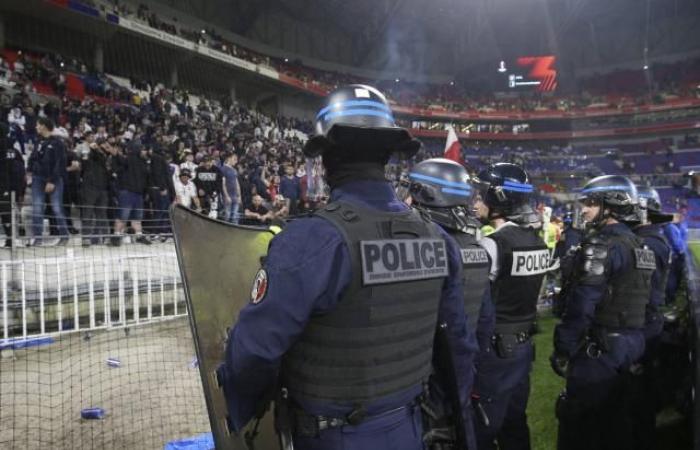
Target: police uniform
520	260
443	189
345	310
565	252
602	335
326	330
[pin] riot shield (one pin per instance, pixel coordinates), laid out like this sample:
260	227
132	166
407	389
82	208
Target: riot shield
218	262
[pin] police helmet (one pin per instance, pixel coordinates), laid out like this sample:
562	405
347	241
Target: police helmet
506	190
650	205
616	195
443	188
441	183
356	120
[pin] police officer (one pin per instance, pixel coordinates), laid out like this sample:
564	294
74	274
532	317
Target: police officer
519	261
348	301
443	189
600	337
646	389
11	180
565	253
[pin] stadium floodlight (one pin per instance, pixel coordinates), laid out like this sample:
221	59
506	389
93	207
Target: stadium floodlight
646	67
452	83
286	60
397	80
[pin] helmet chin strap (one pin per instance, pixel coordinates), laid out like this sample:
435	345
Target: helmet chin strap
601	217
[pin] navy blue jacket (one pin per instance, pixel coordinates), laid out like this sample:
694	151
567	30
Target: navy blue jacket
308	268
583	299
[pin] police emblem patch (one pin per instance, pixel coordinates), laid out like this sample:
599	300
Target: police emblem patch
257	293
528	263
645	259
474	256
393	261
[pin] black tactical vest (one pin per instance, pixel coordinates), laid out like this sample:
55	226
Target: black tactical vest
628	293
523	261
663	265
476	266
379	338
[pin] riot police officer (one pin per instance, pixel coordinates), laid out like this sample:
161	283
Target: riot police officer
519	261
565	252
443	189
600	337
646	389
346	306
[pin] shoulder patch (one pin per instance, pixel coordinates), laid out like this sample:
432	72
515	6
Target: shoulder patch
529	262
257	293
397	260
644	259
474	256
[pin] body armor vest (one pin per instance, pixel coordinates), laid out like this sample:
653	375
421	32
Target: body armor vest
663	263
628	293
476	266
523	259
379	338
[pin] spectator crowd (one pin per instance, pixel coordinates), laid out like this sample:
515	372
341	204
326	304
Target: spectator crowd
120	165
124	156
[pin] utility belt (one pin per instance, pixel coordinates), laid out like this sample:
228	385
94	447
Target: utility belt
306	425
598	341
507	335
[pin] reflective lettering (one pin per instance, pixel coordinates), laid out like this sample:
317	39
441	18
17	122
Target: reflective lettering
391	263
372	252
416	254
427	261
440	256
393	260
528	263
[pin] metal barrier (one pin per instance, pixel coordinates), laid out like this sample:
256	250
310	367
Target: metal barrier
67	295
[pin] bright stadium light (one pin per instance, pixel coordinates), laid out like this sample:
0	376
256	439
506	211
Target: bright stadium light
397	80
646	67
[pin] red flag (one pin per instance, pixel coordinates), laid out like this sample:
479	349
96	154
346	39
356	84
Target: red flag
453	150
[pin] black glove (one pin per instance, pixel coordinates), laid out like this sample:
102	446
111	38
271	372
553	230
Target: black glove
559	363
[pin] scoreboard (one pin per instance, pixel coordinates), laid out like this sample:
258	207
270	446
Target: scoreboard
536	73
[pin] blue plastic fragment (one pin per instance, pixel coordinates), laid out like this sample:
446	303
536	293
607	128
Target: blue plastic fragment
194	363
200	442
92	413
17	343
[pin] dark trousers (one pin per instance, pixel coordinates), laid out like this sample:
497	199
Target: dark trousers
595	412
160	203
504	387
6	215
94	211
